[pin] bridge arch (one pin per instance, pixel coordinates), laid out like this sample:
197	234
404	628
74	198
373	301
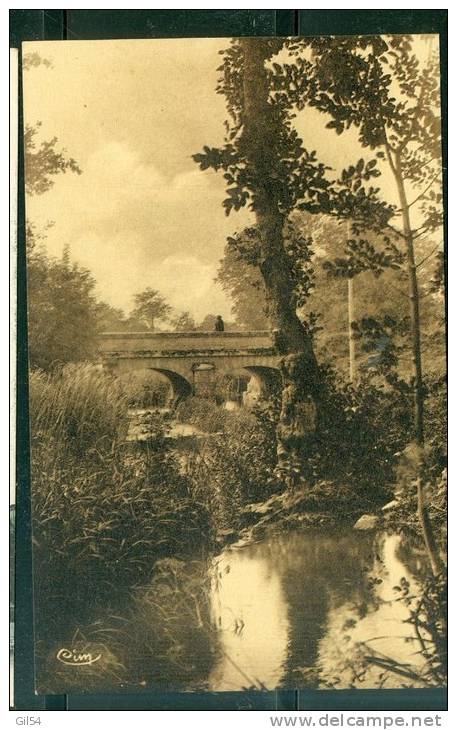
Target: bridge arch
181	388
267	378
184	358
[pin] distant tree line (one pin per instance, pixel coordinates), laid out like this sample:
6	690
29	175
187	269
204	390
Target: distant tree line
65	316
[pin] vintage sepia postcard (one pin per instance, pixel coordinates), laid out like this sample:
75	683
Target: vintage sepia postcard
237	365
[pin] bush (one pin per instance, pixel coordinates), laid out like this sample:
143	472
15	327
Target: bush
236	466
143	390
436	425
203	413
361	430
228	386
429	463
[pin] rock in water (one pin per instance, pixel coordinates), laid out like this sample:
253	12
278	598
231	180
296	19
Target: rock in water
367	522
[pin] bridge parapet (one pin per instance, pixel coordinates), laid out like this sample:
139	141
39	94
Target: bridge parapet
184	342
179	356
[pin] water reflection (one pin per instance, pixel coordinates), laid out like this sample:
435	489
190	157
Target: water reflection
248	601
381	634
303	609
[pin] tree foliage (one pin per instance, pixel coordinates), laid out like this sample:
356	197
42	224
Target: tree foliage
110	319
43	162
184	322
379	86
62	314
240	274
150	305
267	167
299	179
242	281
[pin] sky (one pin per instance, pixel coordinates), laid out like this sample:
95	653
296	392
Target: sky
132	113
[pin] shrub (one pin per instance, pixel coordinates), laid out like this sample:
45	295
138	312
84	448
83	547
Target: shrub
237	466
229	386
436	425
144	391
430	463
361	430
203	413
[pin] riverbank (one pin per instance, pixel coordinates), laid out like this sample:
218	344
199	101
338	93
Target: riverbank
312	505
134	510
301	608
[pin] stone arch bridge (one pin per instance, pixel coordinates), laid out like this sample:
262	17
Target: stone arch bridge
181	355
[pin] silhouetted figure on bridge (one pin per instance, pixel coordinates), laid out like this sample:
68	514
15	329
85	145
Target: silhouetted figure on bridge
219	324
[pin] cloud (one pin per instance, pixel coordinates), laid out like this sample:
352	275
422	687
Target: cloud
133	227
188	284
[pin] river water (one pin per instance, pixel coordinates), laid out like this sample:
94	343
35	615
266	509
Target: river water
305	608
300	609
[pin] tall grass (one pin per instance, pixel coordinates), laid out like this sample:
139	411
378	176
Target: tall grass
104	511
79	408
163	637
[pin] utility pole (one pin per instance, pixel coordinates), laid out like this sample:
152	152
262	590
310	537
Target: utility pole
351	339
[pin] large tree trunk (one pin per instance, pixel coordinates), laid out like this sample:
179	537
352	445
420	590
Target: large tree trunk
414	313
260	146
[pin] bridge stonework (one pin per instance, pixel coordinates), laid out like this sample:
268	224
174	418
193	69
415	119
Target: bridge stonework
178	355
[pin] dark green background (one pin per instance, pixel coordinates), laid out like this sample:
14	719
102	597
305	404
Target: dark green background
28	25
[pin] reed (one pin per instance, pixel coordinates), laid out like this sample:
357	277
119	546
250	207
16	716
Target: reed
78	408
104	511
